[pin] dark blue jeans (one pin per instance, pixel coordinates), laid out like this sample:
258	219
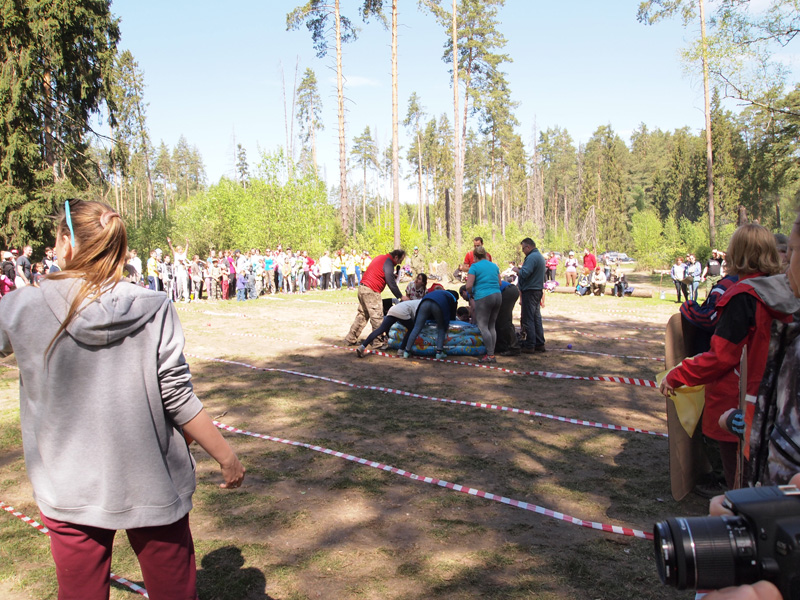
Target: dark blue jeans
429	310
531	318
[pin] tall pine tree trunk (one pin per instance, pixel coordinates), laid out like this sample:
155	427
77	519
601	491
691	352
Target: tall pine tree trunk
342	144
459	183
395	137
712	227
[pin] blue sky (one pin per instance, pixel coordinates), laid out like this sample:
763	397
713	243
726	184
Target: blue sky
212	72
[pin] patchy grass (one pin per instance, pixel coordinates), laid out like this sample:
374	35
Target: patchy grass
307	525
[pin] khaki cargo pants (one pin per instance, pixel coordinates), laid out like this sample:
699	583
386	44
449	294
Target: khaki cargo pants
370	308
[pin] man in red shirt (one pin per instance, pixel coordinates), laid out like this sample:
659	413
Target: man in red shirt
469	258
589	260
380	273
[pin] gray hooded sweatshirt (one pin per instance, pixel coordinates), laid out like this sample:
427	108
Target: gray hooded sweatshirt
101	415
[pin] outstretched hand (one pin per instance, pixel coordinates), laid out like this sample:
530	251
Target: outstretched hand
233	472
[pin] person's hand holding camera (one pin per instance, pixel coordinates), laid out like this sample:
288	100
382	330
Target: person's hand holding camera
760	590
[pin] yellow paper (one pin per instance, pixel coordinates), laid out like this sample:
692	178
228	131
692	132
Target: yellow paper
689	402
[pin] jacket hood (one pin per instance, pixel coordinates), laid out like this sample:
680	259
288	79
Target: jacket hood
117	313
775	293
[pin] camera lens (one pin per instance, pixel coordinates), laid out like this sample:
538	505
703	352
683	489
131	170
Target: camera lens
705	552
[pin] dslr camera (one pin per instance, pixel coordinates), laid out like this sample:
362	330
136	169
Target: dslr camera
761	540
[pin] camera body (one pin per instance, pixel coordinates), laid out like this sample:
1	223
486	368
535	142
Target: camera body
761	540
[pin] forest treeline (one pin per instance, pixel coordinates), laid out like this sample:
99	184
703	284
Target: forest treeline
644	193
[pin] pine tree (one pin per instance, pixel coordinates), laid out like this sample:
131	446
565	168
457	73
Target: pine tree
56	59
309	112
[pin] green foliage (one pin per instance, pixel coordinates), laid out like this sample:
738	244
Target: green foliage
647	238
56	58
268	211
150	234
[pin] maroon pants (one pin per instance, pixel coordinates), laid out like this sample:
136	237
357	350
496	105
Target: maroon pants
83	559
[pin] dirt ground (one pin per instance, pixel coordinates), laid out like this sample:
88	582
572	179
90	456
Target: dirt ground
309	525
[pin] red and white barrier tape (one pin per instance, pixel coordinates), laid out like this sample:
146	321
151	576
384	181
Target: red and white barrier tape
635	381
627	531
627	339
611	355
36	525
501	408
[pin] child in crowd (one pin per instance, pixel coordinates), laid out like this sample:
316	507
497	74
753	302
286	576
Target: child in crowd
241	286
37	272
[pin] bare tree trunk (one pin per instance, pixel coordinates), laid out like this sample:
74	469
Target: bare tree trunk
364	199
712	227
459	183
291	126
342	144
395	136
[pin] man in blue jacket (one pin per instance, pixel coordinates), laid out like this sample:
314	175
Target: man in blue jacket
531	282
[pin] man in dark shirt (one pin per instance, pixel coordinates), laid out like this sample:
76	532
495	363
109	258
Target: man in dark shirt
531	283
712	272
23	277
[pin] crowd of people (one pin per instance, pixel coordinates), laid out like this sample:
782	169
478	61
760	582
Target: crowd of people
688	273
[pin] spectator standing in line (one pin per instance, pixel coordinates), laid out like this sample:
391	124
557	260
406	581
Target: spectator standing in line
469	257
589	260
7	274
531	282
694	270
49	263
365	260
229	264
571	266
325	268
678	274
350	269
153	279
338	265
380	274
135	262
24	268
196	277
712	272
552	266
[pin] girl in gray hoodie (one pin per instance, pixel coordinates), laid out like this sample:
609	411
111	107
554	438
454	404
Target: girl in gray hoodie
106	407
